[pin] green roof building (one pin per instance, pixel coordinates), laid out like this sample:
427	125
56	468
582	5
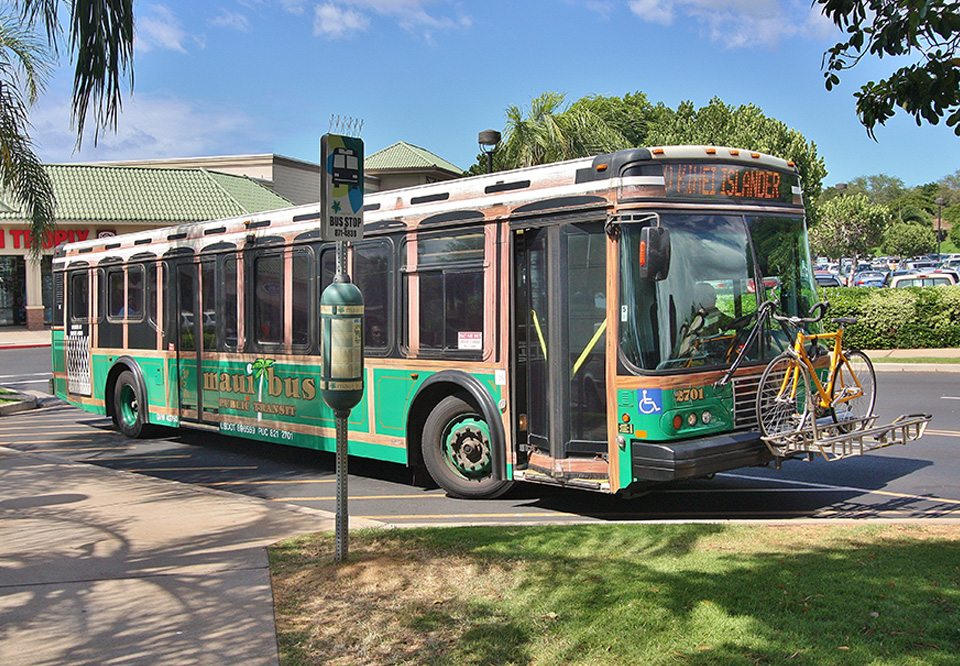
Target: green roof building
406	165
99	201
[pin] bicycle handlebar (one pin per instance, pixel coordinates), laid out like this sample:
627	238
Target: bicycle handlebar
821	306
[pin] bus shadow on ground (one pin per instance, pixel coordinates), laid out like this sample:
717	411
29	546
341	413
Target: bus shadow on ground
759	492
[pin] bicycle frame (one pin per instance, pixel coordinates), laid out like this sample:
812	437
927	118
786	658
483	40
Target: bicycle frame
824	392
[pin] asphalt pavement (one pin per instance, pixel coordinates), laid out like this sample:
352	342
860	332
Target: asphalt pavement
915	481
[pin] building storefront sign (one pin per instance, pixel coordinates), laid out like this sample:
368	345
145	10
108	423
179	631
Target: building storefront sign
22	239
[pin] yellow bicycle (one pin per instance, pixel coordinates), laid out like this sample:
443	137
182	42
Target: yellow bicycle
791	394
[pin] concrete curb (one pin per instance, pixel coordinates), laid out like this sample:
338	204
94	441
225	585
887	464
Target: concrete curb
24	404
917	367
26	345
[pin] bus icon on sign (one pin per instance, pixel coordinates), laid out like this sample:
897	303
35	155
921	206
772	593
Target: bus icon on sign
346	167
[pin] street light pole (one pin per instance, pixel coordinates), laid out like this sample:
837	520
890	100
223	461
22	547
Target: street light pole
489	140
939	201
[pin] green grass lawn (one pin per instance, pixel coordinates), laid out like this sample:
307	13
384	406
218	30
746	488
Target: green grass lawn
624	594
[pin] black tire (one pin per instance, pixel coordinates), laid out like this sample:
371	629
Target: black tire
780	412
457	451
855	372
128	401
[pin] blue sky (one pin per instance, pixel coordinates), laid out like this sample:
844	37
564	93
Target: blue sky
259	76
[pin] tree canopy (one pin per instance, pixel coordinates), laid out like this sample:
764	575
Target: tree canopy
549	131
99	41
924	30
907	239
849	226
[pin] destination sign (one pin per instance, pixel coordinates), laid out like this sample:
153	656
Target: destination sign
727	180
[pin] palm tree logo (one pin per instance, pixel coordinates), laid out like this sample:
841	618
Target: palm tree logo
259	371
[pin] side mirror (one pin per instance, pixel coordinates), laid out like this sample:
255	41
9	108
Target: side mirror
654	254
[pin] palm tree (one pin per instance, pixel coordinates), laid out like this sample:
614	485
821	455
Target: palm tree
24	66
100	40
549	133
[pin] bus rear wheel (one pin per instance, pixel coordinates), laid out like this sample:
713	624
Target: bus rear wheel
456	448
129	407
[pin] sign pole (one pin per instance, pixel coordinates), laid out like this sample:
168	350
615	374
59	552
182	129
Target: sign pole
342	536
343	517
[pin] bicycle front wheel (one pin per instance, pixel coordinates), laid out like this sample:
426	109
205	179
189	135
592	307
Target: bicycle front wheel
783	396
854	393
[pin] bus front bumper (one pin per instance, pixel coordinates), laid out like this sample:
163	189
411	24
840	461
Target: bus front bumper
675	461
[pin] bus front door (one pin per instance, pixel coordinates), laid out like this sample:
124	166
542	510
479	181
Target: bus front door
196	334
559	349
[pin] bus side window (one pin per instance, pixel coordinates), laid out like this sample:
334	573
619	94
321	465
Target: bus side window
116	306
79	296
328	266
451	298
231	334
302	297
152	289
371	271
268	299
135	293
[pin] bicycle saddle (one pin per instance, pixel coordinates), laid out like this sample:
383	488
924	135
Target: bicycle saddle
847	321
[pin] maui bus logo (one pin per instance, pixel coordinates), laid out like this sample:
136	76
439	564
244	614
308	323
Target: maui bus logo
261	380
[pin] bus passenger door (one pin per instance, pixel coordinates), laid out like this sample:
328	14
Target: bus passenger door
196	332
559	341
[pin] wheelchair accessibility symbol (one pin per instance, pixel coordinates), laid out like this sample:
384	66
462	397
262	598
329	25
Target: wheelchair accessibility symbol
650	401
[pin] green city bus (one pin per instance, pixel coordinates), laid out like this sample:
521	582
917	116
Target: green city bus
562	324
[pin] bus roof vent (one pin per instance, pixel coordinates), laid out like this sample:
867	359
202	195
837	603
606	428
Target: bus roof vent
428	198
507	187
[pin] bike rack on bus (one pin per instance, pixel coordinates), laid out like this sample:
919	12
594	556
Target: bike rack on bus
852	437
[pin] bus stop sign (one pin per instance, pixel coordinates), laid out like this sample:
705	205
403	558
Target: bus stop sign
341	187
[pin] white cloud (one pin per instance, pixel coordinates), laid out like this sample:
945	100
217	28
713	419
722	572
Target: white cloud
602	7
411	15
653	11
231	20
150	126
159	28
333	21
293	6
737	23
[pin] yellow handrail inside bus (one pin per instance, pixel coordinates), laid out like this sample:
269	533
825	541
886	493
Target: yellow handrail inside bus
589	348
536	325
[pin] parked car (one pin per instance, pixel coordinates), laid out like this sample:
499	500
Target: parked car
893	274
923	280
827	280
869	279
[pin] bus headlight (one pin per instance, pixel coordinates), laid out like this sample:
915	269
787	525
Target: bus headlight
706	417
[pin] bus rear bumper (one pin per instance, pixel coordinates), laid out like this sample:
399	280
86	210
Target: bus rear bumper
675	461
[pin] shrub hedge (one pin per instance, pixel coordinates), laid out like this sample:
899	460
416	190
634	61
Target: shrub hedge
911	318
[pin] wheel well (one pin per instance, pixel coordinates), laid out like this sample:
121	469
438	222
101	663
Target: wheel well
420	410
115	372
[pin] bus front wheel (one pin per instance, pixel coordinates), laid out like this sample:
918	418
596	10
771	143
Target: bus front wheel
129	407
457	451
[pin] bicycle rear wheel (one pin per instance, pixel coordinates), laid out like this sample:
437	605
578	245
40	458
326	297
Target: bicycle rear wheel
854	393
783	396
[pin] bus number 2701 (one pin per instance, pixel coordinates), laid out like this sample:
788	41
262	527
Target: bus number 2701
688	394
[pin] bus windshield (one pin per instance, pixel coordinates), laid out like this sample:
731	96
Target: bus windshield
701	313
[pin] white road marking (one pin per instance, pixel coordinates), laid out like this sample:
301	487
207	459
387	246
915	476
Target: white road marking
358	497
28	374
866	491
949	397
